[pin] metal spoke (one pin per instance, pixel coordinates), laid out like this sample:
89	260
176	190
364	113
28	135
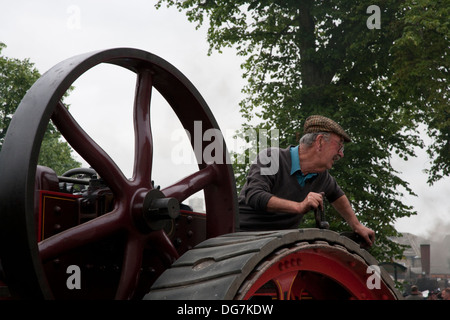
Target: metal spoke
284	283
191	184
142	127
131	267
89	149
80	235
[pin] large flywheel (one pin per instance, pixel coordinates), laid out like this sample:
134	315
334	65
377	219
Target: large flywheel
23	256
284	265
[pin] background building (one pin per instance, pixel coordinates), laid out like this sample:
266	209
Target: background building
426	262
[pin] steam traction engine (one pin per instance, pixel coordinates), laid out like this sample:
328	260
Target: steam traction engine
130	240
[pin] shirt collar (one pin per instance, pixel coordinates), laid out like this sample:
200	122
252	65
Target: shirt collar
295	164
295	160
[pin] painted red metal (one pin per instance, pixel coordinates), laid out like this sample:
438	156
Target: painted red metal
65	210
133	253
42	102
338	274
50	218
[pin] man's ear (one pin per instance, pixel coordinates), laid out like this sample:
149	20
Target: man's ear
319	140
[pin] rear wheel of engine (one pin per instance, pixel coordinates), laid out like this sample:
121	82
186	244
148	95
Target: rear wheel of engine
288	264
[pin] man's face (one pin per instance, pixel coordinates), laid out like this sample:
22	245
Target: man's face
444	295
333	149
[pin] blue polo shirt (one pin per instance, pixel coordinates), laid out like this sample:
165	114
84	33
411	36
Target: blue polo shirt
295	168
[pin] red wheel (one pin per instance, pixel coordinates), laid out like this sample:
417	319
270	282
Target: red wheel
284	265
313	271
21	256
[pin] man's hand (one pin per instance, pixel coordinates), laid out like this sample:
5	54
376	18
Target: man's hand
366	233
342	205
312	201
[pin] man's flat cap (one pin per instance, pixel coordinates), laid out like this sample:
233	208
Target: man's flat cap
318	123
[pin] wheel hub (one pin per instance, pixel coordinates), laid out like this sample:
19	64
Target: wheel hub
156	211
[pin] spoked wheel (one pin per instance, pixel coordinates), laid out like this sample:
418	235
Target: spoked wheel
22	256
294	265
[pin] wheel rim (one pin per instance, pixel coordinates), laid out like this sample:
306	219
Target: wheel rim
18	160
283	264
297	274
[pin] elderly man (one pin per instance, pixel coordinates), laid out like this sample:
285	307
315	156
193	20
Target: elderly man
278	199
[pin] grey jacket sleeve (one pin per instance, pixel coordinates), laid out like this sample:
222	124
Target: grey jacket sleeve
260	179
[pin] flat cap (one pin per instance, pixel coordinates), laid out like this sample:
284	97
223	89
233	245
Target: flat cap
318	123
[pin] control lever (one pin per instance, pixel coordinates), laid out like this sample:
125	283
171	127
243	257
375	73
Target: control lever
319	214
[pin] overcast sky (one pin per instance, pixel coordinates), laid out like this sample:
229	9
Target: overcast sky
48	32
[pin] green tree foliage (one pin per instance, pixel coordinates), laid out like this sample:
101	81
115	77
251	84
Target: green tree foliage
421	62
320	57
16	77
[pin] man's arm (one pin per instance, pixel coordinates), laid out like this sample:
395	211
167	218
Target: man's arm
343	206
312	201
